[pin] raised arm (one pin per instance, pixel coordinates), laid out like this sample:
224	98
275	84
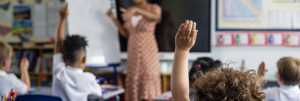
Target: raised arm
122	30
262	71
24	73
60	34
185	40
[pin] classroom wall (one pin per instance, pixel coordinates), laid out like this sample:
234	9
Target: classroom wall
10	37
252	55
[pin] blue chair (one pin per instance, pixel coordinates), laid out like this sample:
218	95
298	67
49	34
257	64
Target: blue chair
35	97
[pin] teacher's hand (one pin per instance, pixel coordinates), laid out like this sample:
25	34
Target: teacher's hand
110	14
128	12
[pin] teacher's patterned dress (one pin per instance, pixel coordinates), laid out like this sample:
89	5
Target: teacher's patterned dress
143	77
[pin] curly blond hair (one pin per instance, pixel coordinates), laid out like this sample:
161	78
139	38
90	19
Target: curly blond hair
227	84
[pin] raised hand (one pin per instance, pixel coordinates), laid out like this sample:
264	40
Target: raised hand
64	12
24	64
110	14
186	36
262	71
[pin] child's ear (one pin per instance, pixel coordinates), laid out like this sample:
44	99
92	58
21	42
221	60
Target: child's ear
84	59
3	64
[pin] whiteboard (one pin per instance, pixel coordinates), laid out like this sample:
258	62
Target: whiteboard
88	18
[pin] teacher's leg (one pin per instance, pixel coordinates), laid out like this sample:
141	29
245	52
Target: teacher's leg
132	77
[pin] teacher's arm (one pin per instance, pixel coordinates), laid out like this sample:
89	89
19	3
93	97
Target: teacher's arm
60	34
122	30
184	40
154	15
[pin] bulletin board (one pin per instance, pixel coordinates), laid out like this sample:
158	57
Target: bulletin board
257	15
29	20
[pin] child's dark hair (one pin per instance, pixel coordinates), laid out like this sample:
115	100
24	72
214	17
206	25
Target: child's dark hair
72	48
204	64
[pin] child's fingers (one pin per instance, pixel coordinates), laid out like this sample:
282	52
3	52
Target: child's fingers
189	28
67	6
179	32
185	27
195	34
193	30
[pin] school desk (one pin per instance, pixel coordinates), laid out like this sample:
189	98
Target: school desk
109	94
163	97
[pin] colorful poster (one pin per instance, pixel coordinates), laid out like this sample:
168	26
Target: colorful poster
242	10
22	29
22	24
22	12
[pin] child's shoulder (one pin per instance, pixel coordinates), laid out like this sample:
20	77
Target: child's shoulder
89	75
11	76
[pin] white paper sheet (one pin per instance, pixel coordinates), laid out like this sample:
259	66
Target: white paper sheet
296	20
5	16
53	17
39	23
280	19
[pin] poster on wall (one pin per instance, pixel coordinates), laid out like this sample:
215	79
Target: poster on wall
291	40
275	39
257	39
22	29
241	39
224	39
22	24
22	12
242	10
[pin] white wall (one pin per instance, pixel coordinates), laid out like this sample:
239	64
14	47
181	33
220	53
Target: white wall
253	56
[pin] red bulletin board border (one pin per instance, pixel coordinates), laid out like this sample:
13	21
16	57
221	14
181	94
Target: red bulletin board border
249	34
294	34
222	34
257	33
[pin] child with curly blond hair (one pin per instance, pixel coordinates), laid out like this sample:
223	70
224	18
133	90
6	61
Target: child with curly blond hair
217	85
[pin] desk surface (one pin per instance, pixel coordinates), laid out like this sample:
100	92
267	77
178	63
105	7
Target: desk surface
163	98
107	95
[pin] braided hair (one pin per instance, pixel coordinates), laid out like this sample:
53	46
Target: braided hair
204	64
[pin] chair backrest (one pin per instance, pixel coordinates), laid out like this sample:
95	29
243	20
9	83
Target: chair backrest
34	97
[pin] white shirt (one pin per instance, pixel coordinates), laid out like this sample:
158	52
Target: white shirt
135	20
283	93
10	81
72	84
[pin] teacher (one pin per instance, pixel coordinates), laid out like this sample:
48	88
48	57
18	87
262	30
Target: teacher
143	78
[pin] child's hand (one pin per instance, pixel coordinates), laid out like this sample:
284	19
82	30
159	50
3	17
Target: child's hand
262	71
24	64
64	12
186	36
